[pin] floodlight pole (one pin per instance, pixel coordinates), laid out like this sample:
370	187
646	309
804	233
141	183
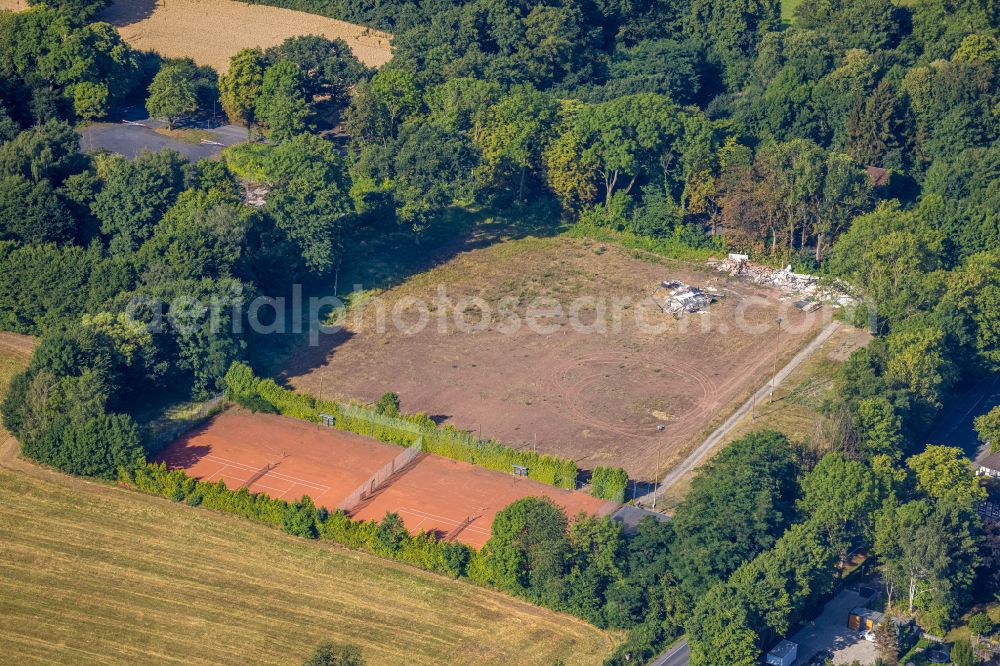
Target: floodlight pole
774	363
321	421
656	476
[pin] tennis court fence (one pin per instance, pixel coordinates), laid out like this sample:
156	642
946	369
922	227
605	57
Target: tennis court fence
382	477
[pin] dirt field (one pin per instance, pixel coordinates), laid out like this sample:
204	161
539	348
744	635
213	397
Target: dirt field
436	494
797	407
212	31
92	574
595	396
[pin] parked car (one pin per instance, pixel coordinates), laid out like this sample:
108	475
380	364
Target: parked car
869	636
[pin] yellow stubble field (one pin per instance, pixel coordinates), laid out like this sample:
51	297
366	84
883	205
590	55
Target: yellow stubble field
212	31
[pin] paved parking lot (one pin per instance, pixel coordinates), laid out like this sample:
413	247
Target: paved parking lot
130	140
829	632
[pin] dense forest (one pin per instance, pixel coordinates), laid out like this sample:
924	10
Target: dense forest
855	138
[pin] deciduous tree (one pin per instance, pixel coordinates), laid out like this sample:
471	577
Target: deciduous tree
514	134
335	654
946	475
841	497
282	106
172	95
528	548
310	201
241	86
988	428
739	505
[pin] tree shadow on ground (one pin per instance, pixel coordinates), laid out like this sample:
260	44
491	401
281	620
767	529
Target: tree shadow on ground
127	12
954	425
390	259
179	456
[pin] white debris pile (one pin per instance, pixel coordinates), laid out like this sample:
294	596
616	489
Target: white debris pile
255	195
685	299
784	279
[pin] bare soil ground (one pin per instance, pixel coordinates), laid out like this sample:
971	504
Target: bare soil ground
287	458
597	396
797	406
212	31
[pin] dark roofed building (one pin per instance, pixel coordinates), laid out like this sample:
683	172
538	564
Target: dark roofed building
878	176
989	466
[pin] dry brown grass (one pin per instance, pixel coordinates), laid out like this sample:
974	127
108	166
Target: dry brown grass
212	31
15	352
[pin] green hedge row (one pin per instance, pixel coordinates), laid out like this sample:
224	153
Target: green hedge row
387	538
265	395
609	483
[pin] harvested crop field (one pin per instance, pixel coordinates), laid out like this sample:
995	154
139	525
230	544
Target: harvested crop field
212	31
288	458
596	393
96	574
15	353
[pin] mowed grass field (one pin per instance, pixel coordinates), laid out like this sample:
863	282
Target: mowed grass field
96	574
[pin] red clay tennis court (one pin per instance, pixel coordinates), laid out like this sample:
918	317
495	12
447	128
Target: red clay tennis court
288	458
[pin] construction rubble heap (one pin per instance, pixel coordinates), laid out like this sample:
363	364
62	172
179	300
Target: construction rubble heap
807	287
683	298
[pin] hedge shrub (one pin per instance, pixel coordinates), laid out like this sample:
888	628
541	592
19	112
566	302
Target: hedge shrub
609	483
301	518
403	430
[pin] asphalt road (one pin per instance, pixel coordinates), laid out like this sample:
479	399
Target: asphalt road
954	423
130	140
677	655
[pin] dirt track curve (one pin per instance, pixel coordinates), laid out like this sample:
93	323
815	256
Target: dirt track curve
719	434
